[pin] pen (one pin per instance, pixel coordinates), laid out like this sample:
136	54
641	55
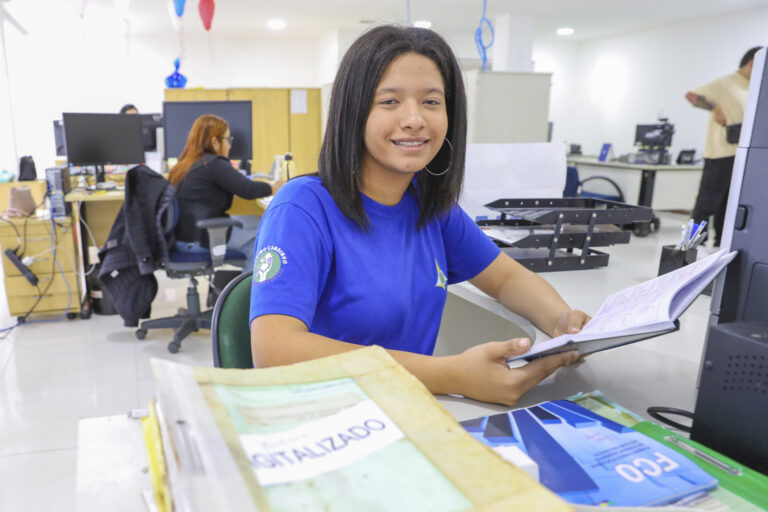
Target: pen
685	234
697	240
698	236
702	455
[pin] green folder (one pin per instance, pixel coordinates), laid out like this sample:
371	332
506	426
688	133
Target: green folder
741	488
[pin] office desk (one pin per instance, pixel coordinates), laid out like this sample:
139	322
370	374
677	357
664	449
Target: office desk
647	177
659	371
99	208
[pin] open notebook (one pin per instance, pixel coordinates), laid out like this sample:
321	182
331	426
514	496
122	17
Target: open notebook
640	312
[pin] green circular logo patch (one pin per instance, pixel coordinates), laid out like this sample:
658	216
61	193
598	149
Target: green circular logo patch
267	266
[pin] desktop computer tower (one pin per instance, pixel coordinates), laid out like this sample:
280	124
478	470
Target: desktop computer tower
58	187
732	406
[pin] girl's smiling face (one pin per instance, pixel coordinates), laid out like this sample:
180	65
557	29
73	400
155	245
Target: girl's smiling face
408	121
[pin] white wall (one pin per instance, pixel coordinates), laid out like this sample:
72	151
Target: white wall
600	89
634	78
77	65
559	59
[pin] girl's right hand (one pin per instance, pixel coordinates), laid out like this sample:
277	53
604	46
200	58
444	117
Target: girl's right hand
483	373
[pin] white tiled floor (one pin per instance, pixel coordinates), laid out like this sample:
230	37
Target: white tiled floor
52	374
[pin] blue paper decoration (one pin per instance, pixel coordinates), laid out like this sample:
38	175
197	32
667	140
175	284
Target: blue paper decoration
176	80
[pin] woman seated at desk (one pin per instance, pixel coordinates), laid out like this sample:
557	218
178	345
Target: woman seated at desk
206	182
362	254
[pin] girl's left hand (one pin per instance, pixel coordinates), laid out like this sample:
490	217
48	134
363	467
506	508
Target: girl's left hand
571	322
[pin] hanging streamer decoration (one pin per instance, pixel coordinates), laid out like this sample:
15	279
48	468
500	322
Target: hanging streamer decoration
179	5
176	80
481	46
206	8
122	7
408	12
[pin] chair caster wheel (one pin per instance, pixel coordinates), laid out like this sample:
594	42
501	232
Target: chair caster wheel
141	334
71	316
642	228
173	347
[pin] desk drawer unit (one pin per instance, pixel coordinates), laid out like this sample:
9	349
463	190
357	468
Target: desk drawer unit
22	295
36	242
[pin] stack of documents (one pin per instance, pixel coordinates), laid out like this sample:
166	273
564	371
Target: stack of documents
354	431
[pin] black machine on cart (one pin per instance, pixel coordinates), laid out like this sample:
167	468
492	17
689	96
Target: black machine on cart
542	234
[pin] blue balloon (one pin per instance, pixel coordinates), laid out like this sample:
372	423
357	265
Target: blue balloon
176	80
179	4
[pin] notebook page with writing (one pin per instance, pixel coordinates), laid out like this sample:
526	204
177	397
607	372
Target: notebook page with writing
644	310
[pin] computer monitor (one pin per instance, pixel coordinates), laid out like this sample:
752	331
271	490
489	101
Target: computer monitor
58	137
655	140
149	125
103	139
654	136
178	117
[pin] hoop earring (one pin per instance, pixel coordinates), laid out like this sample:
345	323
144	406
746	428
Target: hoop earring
450	160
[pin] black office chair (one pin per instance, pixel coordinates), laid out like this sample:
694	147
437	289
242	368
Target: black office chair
575	187
190	261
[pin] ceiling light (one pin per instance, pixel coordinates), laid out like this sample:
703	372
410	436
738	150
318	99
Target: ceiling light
422	24
276	24
564	31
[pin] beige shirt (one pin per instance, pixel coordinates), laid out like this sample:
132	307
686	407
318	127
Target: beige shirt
730	93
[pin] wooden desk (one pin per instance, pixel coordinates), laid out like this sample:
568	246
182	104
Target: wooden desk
34	236
99	208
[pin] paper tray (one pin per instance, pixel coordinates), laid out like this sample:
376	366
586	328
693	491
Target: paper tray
572	210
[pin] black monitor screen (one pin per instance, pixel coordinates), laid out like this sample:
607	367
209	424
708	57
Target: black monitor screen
103	139
178	117
149	124
58	137
654	135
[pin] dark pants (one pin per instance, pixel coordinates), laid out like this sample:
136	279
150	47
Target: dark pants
713	193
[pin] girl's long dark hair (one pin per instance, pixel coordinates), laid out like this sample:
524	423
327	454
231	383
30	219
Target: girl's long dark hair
351	99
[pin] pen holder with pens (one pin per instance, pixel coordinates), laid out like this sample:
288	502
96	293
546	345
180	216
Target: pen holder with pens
673	259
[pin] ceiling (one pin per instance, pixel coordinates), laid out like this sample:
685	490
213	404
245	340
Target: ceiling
311	18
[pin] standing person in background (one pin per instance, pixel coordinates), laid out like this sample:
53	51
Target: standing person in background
129	109
725	98
206	182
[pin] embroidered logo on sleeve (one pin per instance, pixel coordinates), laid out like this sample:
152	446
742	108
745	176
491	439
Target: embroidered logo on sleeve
441	280
268	264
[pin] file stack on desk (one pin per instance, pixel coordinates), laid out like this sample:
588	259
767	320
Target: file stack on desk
588	459
354	431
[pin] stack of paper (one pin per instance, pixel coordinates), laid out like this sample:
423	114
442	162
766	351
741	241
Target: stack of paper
354	431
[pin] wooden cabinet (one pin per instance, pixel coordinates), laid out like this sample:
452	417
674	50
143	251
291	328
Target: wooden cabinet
59	287
276	128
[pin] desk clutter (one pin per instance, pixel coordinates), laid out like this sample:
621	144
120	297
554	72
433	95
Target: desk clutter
591	451
354	431
542	234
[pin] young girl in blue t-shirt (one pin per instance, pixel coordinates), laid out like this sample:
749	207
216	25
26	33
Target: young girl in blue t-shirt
362	253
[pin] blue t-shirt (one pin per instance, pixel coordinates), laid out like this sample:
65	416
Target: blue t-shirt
385	286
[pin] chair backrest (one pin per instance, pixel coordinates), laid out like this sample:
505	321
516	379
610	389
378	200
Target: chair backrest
571	182
230	332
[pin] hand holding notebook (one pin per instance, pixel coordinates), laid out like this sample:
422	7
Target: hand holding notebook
640	312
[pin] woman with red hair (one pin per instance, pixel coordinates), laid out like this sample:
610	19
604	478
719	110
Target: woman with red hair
206	182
